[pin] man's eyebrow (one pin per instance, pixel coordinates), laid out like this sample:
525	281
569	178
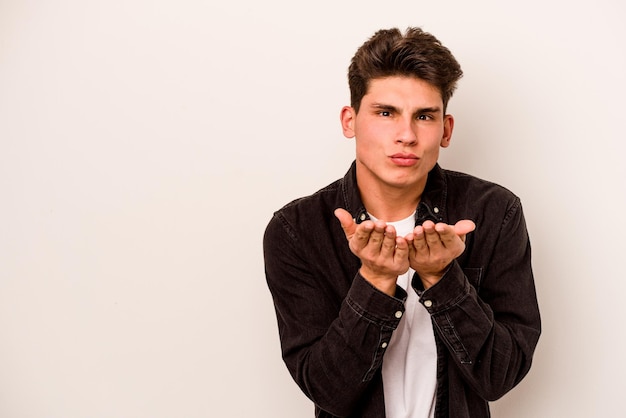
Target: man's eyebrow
434	109
383	106
422	110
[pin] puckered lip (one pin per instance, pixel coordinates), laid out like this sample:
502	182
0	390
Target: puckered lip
404	156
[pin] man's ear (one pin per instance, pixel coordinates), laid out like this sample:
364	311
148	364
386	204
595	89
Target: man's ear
448	126
348	118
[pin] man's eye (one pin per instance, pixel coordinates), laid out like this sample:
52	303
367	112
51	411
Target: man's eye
385	113
424	117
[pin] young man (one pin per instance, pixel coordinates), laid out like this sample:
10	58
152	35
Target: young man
403	289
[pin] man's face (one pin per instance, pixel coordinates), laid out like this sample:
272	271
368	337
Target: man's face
398	131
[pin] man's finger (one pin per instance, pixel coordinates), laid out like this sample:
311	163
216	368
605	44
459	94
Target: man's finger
417	240
447	234
378	235
347	223
362	236
389	241
402	249
464	227
431	235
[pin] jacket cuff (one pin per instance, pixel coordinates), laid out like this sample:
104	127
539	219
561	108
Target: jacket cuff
375	305
449	291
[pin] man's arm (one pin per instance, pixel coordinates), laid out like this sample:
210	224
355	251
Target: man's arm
490	337
332	342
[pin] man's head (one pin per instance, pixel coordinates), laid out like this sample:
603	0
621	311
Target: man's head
414	54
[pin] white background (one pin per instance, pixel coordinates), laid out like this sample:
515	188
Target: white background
144	145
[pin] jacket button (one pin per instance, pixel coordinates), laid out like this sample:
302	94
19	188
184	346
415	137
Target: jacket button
384	345
399	314
428	303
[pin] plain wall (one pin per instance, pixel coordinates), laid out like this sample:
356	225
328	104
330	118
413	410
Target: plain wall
144	145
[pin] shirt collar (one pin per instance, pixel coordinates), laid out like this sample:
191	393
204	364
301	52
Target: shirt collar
431	206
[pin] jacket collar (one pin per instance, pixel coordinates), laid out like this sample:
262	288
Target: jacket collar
432	205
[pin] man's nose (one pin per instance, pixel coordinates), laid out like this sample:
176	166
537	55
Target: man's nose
406	133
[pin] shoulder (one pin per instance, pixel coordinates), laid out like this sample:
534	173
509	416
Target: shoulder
470	185
309	212
311	205
475	197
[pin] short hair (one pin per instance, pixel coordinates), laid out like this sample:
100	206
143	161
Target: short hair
415	54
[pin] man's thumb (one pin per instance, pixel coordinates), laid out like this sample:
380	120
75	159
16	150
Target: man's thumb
346	221
464	227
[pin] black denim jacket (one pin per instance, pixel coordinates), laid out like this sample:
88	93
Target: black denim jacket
334	325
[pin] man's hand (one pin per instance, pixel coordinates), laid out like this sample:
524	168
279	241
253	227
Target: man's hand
383	255
432	247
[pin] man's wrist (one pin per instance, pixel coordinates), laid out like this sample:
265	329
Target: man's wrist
383	282
431	279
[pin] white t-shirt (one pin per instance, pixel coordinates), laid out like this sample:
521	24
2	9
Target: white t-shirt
410	362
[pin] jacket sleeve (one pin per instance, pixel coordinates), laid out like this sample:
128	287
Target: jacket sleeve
490	333
332	343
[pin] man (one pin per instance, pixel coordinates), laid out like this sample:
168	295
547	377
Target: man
403	289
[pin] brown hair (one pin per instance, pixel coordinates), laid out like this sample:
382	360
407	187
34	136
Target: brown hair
415	54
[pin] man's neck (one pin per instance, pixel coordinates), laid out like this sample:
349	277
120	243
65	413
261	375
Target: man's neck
390	204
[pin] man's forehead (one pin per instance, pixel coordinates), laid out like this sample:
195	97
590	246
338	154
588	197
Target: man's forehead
402	92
